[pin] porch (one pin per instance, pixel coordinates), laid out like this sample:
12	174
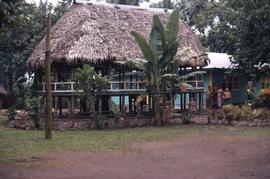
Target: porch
129	96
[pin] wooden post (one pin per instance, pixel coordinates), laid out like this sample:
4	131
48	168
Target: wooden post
48	106
122	107
181	100
72	105
69	106
99	106
185	101
60	105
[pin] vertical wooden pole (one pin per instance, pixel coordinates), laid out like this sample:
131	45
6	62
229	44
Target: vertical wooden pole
185	101
122	99
60	105
48	107
69	106
72	105
99	106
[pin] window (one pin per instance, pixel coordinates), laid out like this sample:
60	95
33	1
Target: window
265	82
231	82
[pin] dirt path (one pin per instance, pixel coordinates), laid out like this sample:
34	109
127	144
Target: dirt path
200	157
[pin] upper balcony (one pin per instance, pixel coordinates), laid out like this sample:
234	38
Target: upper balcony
115	87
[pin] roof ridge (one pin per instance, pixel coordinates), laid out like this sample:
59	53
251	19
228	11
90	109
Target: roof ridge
121	6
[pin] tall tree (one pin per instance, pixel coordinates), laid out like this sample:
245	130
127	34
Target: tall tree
159	53
22	25
238	27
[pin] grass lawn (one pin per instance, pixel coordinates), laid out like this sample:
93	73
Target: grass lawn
19	144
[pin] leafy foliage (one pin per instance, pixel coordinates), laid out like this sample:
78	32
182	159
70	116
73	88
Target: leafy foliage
264	98
117	114
11	113
159	54
186	117
238	27
231	112
22	26
89	84
34	109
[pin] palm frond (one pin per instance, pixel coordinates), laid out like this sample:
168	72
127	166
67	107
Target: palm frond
148	53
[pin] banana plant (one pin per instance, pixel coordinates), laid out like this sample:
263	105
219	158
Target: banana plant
159	53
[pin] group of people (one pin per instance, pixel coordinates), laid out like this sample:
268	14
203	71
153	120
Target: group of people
216	97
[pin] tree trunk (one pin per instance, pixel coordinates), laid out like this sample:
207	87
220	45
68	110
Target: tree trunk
48	107
156	109
164	116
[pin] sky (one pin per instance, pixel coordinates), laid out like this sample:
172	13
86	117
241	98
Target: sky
54	2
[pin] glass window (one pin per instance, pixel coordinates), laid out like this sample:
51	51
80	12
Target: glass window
265	82
231	82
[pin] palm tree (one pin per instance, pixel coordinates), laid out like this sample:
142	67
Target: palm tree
159	54
89	85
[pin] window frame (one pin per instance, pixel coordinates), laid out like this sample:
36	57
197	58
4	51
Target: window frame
231	80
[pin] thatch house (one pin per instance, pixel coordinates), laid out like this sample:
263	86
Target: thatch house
99	35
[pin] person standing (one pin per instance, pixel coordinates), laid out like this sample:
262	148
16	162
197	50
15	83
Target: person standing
219	98
209	104
227	96
209	97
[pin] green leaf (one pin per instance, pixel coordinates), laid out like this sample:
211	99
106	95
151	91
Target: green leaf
158	32
148	53
172	27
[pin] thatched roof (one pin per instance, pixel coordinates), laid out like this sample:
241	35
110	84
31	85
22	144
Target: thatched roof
101	33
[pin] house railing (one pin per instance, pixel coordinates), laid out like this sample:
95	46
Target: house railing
127	85
68	87
197	84
114	86
60	87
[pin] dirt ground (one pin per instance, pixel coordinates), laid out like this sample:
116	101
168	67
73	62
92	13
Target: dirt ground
197	157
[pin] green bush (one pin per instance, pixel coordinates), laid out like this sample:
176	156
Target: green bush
101	121
117	114
231	112
246	112
264	98
34	109
260	113
234	113
11	113
186	117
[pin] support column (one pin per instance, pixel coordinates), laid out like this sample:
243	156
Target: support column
122	103
182	102
185	101
69	106
99	106
201	101
72	105
60	104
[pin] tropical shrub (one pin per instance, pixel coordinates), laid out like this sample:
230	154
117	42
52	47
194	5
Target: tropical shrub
260	113
89	85
231	112
117	114
34	109
101	121
159	53
246	112
186	117
11	113
264	98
